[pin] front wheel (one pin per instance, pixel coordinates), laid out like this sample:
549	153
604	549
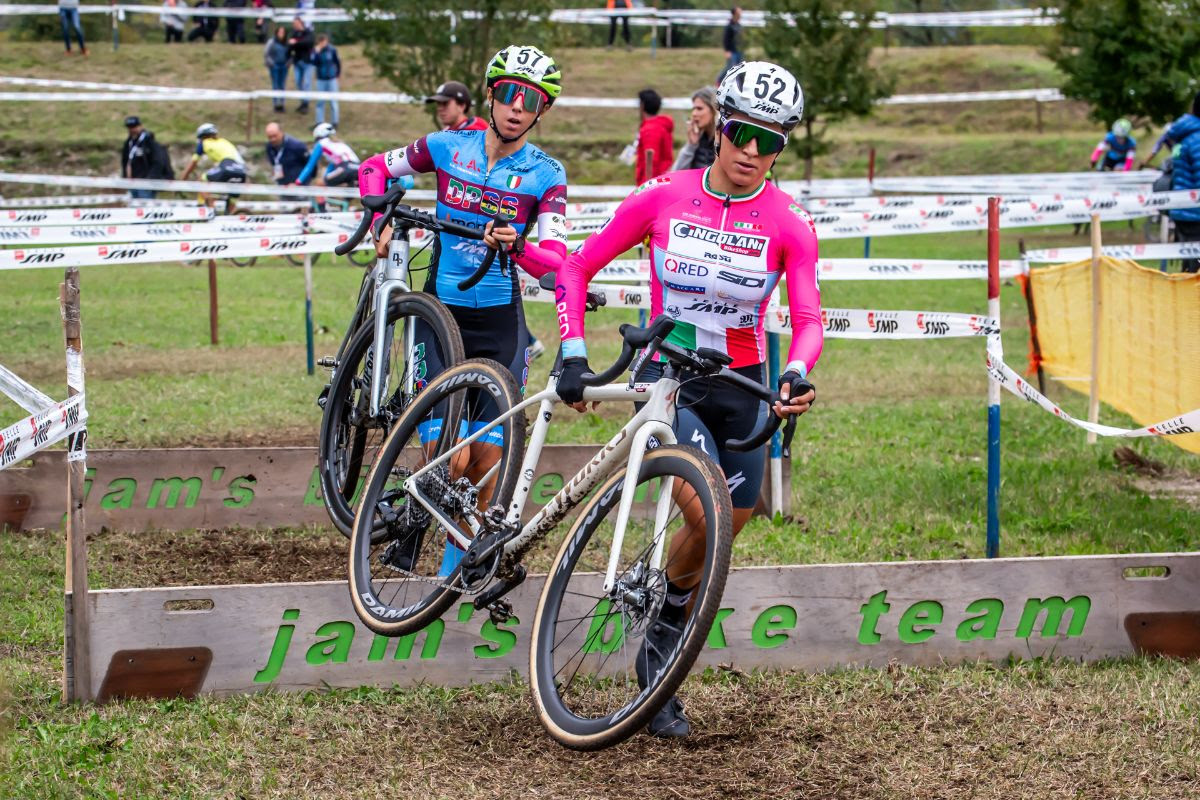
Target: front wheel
602	663
419	328
405	570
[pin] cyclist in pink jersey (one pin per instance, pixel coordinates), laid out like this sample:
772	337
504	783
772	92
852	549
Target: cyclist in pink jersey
720	241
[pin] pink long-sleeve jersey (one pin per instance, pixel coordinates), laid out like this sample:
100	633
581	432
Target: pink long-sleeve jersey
715	260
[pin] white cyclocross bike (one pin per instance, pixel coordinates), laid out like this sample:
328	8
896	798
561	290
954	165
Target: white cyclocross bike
448	490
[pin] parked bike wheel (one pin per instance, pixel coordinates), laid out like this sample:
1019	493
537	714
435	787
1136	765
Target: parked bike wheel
595	678
403	574
362	258
350	435
246	261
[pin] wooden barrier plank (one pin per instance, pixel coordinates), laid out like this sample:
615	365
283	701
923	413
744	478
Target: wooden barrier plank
301	636
179	489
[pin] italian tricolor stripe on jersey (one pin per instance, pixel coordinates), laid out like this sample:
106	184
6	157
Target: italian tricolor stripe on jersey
513	181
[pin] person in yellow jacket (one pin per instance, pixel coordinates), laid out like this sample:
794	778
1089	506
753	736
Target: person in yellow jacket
228	165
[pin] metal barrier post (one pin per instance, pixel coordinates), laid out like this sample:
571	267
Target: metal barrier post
212	301
993	434
308	316
776	451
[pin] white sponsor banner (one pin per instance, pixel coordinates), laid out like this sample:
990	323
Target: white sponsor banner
24	394
875	269
1136	252
66	200
155	252
106	216
1034	183
187	186
1188	422
62	234
37	432
839	323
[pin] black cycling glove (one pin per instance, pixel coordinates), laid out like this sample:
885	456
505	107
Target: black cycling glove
797	385
570	382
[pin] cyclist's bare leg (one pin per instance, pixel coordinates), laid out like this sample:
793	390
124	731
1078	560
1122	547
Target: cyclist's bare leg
685	558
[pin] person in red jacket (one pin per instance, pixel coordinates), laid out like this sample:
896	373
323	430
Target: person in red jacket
653	135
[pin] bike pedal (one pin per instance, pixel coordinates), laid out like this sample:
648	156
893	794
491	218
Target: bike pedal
323	397
500	612
329	362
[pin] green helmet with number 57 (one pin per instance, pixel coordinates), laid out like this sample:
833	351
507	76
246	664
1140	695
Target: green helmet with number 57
529	65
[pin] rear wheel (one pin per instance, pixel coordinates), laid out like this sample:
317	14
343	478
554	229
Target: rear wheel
404	572
350	435
602	663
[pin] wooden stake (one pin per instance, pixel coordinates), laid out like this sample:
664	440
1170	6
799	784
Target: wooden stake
249	120
1094	391
212	300
649	164
77	661
1037	104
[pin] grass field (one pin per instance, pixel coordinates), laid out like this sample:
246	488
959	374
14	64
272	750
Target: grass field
890	465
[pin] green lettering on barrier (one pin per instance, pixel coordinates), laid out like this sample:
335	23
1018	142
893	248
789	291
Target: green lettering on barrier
465	610
335	649
120	494
173	487
924	613
89	476
502	640
716	636
1054	607
217	473
283	640
984	626
767	630
312	497
871	611
545	487
404	645
606	631
241	492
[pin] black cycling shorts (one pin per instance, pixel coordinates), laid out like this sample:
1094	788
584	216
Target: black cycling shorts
228	171
342	175
495	332
709	413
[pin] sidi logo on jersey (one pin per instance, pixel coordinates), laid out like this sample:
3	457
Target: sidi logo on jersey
740	243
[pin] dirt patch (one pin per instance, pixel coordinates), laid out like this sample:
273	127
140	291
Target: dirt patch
1184	488
196	558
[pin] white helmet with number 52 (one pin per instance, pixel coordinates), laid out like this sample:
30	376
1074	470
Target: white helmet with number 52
763	91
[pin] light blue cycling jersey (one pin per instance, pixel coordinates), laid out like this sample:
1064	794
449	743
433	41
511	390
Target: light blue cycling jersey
522	187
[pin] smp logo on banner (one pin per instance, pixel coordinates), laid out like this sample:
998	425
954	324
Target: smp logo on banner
882	322
837	322
39	256
27	216
121	253
932	324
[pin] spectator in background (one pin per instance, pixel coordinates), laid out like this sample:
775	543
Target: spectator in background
262	25
276	59
235	27
700	150
328	68
654	135
205	26
732	41
612	22
453	106
68	15
286	154
300	49
1185	133
173	21
142	157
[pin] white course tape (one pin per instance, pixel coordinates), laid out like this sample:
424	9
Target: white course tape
839	323
37	432
61	234
1060	182
105	216
1010	380
152	253
26	395
186	186
1136	252
66	200
874	269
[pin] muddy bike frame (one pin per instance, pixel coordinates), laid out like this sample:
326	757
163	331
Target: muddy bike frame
655	419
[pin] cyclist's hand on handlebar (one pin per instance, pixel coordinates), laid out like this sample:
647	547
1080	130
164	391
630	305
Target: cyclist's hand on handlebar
381	244
494	237
570	383
796	395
